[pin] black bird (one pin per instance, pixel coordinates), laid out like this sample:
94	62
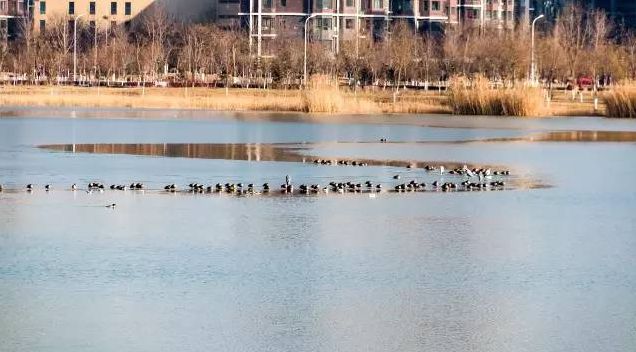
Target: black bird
112	206
47	188
29	187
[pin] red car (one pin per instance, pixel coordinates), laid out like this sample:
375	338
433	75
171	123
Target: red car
585	82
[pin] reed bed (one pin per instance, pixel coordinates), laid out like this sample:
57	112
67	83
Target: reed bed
621	102
476	97
322	96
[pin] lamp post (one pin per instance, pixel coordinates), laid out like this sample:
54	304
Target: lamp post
75	48
305	60
533	68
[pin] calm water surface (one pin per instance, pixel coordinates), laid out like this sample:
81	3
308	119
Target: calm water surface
548	269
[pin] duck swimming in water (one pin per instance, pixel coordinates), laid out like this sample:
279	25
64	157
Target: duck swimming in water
111	206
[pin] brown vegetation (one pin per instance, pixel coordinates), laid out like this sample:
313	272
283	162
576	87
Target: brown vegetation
476	97
621	102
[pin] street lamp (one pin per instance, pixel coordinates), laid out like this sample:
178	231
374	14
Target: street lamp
75	48
305	60
533	65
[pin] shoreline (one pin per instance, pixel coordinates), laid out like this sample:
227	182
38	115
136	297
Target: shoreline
253	100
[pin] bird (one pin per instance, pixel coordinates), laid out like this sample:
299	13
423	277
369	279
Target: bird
73	187
29	187
441	170
47	188
112	206
396	177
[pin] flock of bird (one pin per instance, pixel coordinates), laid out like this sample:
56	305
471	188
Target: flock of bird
475	179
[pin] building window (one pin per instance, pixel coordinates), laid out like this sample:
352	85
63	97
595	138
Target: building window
377	4
324	24
425	6
91	7
435	5
42	7
349	24
113	8
324	4
71	7
349	3
127	8
42	26
283	3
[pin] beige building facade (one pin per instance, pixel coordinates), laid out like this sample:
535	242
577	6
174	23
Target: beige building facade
98	13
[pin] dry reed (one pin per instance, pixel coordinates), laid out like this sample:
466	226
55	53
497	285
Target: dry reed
322	96
621	102
476	97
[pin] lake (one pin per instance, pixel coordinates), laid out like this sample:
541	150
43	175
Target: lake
546	264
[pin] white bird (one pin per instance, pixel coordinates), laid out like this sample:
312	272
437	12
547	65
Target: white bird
468	172
441	170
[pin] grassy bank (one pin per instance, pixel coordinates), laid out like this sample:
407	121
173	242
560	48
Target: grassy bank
317	100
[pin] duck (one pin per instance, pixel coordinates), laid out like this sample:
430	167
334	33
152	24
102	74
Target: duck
47	187
396	177
29	187
73	187
111	206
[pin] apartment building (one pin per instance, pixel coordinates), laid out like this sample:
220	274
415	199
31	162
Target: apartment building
11	12
332	21
98	13
487	13
622	11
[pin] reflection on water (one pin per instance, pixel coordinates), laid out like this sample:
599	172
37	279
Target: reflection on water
586	136
235	151
567	136
225	151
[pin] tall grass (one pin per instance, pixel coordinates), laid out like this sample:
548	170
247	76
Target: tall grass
322	95
476	97
621	102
